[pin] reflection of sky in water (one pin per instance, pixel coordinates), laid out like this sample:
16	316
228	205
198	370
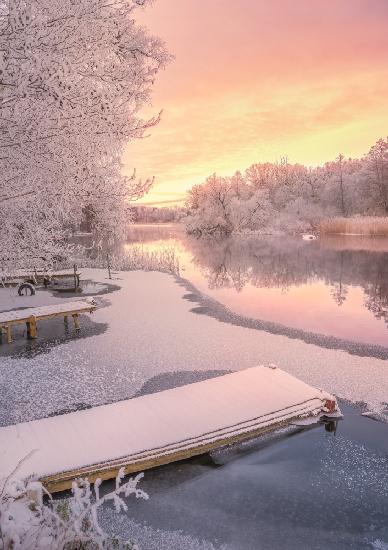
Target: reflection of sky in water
337	287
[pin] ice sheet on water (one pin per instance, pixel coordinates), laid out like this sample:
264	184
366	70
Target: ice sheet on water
149	538
356	468
359	476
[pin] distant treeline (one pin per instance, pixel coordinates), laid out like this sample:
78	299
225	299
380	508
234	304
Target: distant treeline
284	197
153	214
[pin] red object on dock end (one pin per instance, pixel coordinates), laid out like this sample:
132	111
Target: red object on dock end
330	405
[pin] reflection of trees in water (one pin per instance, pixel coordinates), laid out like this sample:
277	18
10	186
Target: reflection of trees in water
376	296
339	290
232	263
282	263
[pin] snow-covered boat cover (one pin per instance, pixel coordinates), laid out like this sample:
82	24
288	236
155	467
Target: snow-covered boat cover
157	423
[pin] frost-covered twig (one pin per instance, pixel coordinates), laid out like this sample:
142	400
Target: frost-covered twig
13	472
68	524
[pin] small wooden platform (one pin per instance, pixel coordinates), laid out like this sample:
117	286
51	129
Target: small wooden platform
156	429
31	315
39	276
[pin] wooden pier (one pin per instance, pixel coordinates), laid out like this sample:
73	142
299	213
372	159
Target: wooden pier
151	430
30	316
40	276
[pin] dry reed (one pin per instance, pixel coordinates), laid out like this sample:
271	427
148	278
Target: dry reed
136	257
370	226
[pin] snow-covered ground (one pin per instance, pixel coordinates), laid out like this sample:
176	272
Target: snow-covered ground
150	332
9	299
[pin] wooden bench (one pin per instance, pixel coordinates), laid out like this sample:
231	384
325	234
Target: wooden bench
31	315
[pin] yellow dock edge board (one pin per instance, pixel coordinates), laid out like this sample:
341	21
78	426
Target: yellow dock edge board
63	481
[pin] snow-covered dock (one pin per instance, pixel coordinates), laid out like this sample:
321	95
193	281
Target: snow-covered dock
158	428
31	315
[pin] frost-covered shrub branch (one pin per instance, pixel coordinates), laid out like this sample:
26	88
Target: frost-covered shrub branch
69	524
284	197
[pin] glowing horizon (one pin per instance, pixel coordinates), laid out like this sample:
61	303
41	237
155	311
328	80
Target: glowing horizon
253	81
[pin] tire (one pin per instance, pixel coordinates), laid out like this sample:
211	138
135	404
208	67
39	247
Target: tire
26	289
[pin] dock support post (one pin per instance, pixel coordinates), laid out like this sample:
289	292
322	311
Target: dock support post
9	334
76	321
31	327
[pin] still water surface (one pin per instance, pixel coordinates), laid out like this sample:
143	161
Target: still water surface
336	286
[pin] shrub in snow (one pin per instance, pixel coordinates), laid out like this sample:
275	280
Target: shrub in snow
70	524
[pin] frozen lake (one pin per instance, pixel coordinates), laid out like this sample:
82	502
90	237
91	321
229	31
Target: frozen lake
336	286
315	490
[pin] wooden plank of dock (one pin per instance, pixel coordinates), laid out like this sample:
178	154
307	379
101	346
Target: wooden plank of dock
31	315
159	428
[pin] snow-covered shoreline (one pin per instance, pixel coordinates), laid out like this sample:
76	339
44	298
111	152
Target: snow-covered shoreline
151	331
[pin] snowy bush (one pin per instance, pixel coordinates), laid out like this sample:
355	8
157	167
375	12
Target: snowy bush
70	524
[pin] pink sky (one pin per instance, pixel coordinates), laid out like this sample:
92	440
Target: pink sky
254	80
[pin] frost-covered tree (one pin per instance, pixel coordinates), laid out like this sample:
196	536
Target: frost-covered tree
73	78
284	197
339	161
377	160
210	206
